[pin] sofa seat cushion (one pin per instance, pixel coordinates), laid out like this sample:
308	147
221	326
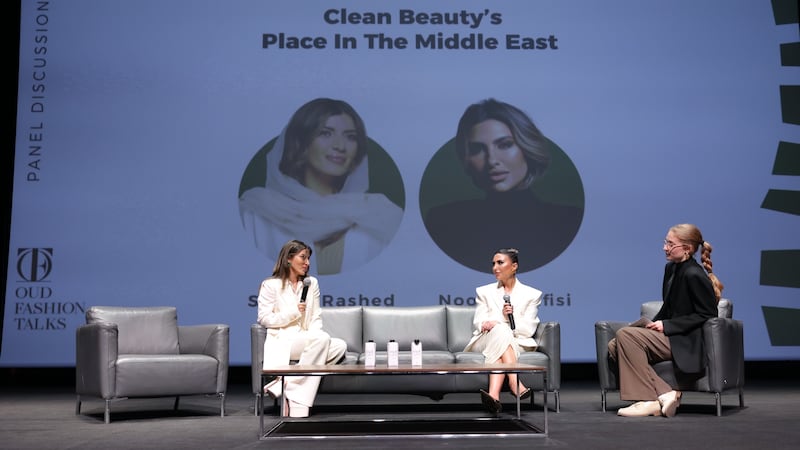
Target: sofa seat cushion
533	358
473	382
429	357
350	358
682	381
165	375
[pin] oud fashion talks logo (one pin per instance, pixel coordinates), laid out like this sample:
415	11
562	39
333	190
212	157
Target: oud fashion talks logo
36	307
34	264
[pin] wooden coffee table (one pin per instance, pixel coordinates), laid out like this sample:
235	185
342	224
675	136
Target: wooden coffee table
526	429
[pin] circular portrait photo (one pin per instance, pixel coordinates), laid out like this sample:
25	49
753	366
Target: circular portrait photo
324	182
501	183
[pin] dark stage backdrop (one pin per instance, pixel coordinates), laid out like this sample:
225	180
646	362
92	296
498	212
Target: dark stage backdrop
141	124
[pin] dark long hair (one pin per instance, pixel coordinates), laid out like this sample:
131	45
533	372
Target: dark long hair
288	251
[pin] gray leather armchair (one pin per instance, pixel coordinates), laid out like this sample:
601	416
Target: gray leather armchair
130	352
723	341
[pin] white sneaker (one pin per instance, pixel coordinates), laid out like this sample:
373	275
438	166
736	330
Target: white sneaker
670	402
641	409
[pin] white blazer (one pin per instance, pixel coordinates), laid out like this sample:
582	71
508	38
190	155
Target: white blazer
524	299
278	312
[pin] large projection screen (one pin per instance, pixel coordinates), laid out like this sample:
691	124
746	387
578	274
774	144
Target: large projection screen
150	134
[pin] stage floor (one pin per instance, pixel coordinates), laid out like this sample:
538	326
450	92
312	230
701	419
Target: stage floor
43	417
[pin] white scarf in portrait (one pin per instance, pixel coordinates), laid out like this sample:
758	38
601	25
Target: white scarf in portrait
313	217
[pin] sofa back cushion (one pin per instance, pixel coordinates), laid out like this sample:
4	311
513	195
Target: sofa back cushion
149	330
459	327
344	323
426	323
724	308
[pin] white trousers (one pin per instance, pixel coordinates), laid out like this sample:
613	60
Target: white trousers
311	347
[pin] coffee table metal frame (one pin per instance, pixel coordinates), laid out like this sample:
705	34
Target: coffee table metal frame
402	369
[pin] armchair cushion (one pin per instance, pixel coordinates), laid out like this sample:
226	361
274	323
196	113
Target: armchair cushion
173	375
150	330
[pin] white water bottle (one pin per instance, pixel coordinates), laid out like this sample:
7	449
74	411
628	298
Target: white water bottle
393	353
416	353
369	353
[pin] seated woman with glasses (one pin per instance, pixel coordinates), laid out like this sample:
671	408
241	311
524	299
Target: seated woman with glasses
690	292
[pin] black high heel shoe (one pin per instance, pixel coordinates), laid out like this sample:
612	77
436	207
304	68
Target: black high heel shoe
491	405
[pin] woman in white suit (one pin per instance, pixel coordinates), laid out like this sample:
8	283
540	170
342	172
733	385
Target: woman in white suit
497	337
294	327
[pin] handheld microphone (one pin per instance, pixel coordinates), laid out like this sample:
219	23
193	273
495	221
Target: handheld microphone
306	283
507	299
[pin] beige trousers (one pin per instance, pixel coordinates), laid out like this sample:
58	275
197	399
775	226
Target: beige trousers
635	349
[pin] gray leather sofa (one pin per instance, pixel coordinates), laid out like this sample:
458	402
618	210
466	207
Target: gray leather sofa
443	331
723	342
134	352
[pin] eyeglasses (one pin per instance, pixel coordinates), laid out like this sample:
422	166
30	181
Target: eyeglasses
670	245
